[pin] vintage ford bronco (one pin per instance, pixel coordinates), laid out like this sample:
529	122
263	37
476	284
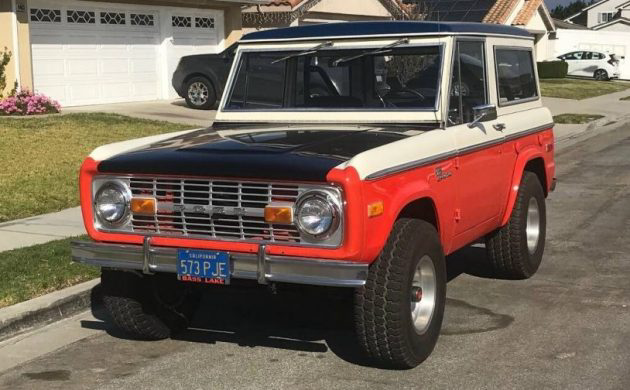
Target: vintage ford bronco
352	155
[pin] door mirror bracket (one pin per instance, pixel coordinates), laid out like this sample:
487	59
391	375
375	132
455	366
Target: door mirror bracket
483	113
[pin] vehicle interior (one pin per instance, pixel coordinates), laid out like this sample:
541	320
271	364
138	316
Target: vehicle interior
396	78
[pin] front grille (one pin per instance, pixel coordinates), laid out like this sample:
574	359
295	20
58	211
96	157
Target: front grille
220	209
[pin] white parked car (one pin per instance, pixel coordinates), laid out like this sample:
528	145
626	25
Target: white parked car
600	66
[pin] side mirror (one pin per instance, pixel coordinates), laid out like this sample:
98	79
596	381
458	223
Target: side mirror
483	113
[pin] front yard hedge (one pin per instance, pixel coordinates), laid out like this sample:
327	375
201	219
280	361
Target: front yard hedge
552	69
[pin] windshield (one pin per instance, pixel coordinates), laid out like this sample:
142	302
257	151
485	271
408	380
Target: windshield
360	79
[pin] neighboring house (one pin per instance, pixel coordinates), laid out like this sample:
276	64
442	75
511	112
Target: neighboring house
87	52
609	15
285	13
532	15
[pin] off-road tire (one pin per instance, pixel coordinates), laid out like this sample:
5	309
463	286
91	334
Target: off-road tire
212	95
507	251
138	306
382	308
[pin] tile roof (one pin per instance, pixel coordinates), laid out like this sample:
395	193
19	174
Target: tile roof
500	12
290	3
527	12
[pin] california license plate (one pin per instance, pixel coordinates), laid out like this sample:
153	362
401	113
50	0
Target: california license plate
203	266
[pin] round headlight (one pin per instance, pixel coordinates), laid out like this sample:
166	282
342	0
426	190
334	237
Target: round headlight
317	214
111	203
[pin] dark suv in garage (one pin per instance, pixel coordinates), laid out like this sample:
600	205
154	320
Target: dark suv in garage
200	78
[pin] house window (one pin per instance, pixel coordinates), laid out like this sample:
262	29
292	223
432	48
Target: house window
515	73
204	22
182	21
45	15
113	18
142	20
75	16
604	17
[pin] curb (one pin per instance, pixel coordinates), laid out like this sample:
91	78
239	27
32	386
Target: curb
48	308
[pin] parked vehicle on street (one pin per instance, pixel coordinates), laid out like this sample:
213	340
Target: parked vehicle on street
343	155
200	78
598	65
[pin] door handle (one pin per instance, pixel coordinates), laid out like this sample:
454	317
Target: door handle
499	126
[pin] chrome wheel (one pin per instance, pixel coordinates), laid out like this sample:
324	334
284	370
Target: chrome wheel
198	93
423	294
532	229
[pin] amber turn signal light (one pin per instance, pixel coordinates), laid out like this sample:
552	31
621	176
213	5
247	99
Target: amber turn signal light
280	214
375	209
143	206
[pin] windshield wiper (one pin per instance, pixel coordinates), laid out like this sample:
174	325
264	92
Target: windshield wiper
381	50
306	52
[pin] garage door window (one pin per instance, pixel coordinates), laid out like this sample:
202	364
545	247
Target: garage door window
204	22
141	20
45	15
515	76
182	21
82	17
113	18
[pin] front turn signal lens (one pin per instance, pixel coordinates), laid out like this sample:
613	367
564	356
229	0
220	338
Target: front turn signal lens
145	206
279	214
375	209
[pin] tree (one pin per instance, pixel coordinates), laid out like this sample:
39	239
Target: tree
564	11
5	57
411	10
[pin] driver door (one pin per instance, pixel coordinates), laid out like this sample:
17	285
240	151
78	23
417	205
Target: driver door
479	145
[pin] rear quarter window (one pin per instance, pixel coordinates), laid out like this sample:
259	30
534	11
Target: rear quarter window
516	80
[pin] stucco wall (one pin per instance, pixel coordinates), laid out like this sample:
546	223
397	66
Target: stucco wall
605	6
6	38
621	26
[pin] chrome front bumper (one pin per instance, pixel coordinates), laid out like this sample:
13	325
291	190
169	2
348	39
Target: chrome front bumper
261	266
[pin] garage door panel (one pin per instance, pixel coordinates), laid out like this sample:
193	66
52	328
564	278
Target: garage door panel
82	67
49	67
115	91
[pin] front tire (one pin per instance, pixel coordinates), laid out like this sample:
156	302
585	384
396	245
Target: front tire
515	250
601	75
200	93
148	307
399	311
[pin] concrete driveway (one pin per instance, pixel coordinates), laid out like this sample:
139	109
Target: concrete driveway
162	110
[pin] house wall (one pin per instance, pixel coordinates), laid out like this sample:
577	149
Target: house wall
605	6
14	35
604	41
357	8
543	47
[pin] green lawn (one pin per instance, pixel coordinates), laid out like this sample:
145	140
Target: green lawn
576	118
27	273
41	157
580	89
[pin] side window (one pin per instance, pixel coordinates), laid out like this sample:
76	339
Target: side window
259	83
468	83
588	55
515	75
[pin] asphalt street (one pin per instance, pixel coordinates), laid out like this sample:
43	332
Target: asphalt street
567	327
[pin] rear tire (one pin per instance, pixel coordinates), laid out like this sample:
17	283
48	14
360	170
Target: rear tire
200	93
393	327
515	250
601	75
148	307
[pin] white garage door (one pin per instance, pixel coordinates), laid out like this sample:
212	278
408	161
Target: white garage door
92	53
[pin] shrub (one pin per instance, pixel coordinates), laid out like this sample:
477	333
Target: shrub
5	57
27	103
552	69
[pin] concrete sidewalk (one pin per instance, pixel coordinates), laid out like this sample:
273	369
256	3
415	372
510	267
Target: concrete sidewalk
41	229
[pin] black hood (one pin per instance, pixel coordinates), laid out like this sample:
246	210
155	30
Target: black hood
258	153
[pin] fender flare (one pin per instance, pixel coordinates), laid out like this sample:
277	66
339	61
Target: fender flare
524	156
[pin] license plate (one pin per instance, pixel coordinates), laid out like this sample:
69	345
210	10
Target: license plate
203	266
